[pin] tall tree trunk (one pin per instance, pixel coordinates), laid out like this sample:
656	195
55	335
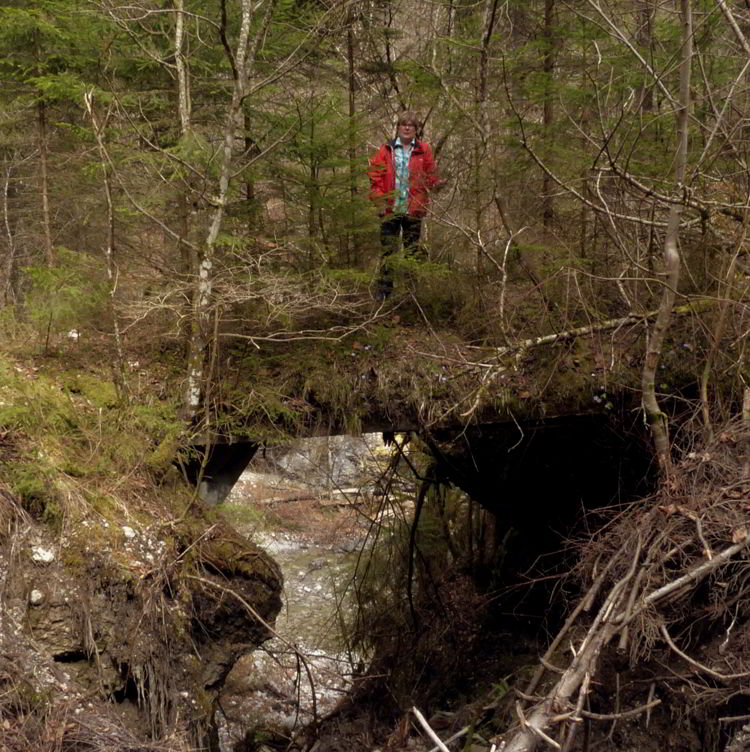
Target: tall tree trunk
42	140
184	105
313	192
6	277
548	115
352	246
188	259
645	38
203	293
585	211
389	62
481	146
251	150
450	18
118	363
49	251
657	418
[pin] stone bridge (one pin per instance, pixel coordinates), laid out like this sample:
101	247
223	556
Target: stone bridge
583	459
554	420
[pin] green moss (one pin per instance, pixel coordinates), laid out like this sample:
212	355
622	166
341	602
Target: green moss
99	392
31	481
74	469
75	450
161	459
159	418
14	416
224	550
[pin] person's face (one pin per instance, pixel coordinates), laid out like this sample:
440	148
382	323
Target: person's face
407	131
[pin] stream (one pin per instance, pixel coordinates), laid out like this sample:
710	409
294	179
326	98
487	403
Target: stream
314	529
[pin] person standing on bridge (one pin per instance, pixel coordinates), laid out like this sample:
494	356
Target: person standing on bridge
402	174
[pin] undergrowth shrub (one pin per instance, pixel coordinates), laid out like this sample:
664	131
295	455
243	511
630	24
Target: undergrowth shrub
418	612
63	298
70	442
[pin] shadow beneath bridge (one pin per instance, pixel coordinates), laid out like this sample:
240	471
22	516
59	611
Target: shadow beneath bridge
221	470
539	478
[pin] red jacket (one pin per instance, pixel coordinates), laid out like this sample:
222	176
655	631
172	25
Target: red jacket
423	176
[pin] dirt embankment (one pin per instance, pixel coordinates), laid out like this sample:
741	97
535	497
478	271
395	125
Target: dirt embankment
120	636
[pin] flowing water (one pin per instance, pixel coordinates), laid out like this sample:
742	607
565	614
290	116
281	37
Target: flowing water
314	532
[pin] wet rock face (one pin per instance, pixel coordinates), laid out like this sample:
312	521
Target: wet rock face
123	623
328	462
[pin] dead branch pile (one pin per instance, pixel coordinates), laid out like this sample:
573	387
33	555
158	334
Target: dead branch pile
664	575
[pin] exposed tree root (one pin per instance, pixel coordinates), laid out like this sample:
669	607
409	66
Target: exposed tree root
666	561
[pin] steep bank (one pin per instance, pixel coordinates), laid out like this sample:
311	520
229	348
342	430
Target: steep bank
124	605
638	641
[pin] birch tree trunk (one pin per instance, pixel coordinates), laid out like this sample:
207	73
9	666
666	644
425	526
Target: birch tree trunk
6	287
200	333
183	80
186	251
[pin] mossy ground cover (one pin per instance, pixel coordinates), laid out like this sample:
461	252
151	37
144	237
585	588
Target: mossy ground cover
409	366
70	431
410	375
138	566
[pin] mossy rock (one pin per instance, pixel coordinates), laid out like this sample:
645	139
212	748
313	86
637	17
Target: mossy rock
236	587
161	459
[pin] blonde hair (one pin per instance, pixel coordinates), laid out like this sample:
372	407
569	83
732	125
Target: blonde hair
409	116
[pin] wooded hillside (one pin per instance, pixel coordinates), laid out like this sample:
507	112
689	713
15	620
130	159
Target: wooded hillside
185	208
193	177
